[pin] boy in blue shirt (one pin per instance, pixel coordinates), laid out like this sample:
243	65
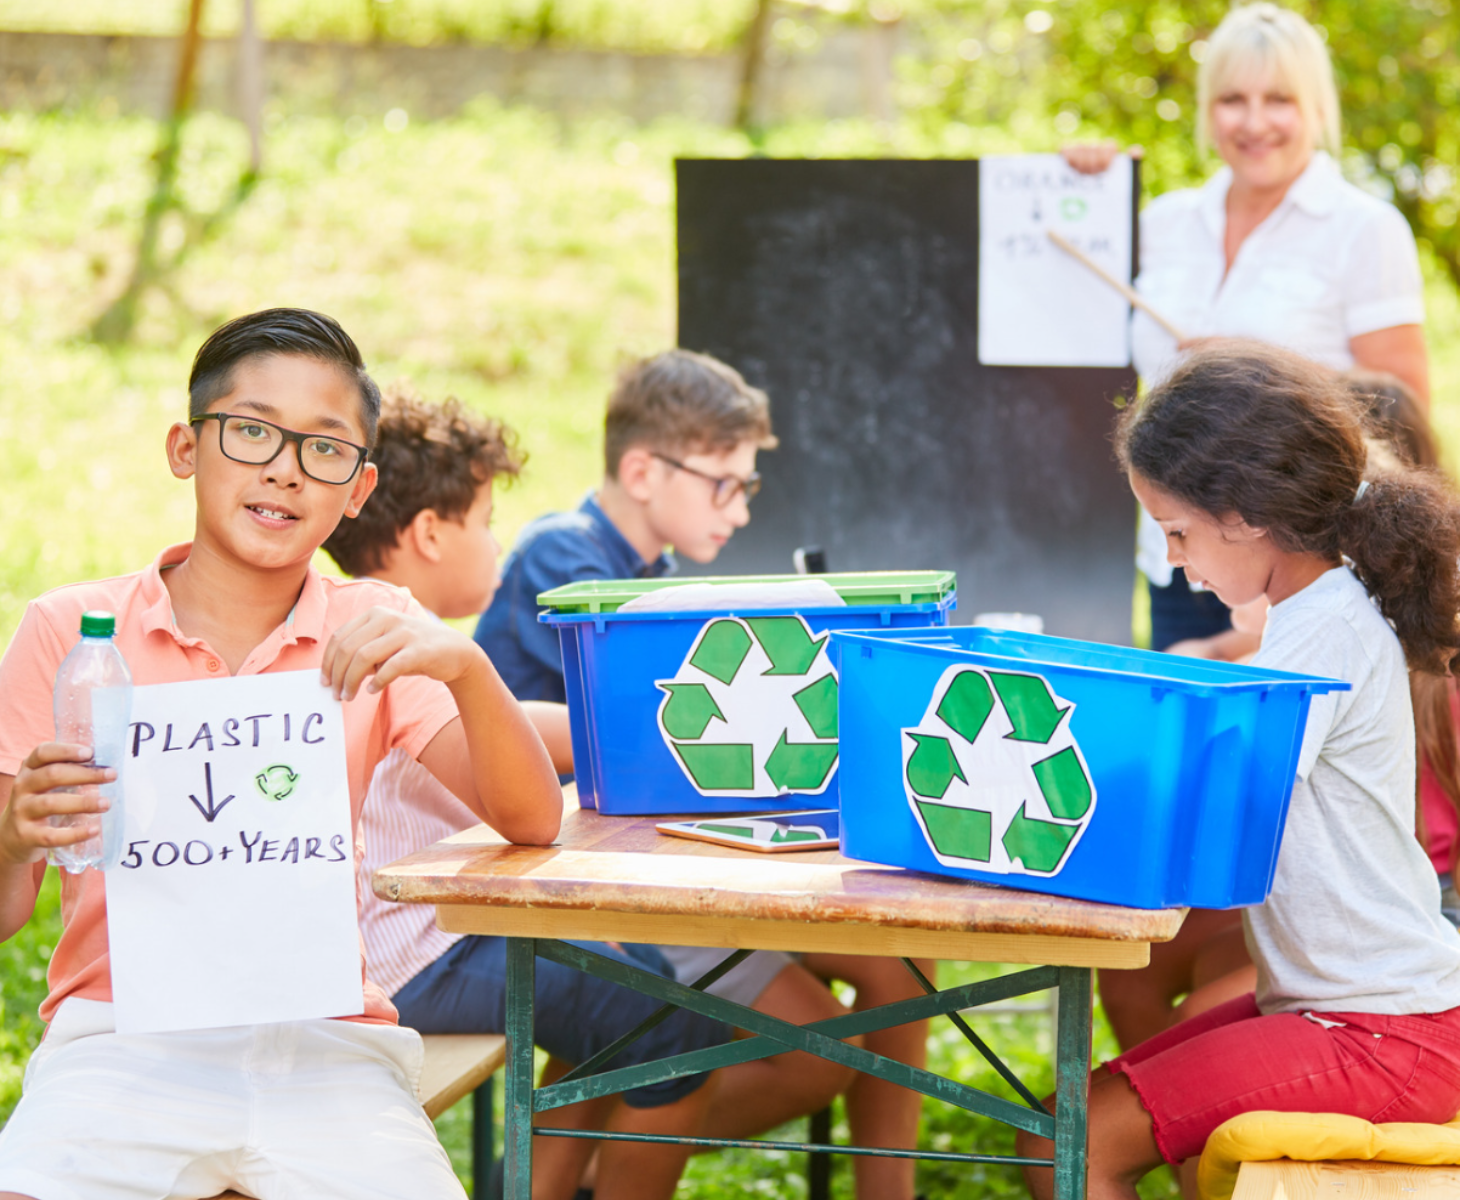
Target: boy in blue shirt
681	437
680	441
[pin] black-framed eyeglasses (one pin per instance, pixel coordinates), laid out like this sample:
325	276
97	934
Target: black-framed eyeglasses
727	487
256	442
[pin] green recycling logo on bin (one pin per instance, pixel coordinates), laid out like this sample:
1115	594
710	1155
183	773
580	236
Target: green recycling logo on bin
995	778
752	710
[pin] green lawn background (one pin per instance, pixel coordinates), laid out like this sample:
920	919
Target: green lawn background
501	256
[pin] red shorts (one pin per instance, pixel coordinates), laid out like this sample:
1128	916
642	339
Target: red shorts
1232	1060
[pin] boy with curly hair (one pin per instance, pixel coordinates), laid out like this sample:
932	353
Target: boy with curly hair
428	528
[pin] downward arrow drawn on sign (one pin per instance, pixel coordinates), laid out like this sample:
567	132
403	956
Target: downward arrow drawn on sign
211	810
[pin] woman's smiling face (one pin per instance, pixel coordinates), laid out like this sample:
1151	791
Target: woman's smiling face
1260	129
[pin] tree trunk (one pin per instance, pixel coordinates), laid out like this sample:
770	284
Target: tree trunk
116	323
746	107
251	84
545	24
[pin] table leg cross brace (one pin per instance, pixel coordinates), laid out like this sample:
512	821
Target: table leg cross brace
978	1043
998	1160
1067	1128
776	1036
594	1065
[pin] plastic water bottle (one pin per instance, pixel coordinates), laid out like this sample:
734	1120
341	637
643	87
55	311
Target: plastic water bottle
93	705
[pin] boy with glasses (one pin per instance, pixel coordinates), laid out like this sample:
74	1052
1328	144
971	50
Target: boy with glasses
256	442
261	1084
680	440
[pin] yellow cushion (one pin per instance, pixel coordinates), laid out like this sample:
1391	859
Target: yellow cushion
1317	1137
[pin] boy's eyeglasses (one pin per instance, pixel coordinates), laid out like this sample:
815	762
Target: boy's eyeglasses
255	442
727	487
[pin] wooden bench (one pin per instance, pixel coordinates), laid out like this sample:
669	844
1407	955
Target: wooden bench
1284	1179
457	1064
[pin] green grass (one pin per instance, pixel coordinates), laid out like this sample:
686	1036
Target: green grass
494	257
501	256
637	26
644	26
22	988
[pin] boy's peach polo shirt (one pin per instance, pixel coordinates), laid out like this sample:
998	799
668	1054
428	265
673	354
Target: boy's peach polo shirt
407	715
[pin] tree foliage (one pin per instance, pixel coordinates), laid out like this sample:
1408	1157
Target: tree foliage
1062	69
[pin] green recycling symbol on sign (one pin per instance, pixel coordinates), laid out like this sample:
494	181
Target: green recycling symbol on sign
276	782
752	709
995	778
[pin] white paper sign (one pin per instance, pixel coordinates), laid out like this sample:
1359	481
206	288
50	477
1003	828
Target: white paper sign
1038	306
234	900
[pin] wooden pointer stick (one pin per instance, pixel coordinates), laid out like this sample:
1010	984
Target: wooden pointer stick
1133	296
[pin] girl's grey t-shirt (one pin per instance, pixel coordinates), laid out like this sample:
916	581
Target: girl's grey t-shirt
1353	923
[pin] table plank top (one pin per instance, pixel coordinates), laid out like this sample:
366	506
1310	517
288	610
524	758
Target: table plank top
623	865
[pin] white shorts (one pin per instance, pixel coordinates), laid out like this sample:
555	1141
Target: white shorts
301	1110
743	984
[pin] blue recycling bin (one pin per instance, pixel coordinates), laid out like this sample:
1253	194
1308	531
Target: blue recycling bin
1073	768
717	711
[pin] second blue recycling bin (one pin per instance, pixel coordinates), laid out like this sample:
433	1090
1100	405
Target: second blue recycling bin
1067	767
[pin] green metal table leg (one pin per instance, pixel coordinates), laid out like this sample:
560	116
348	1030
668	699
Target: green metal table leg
1072	1083
483	1136
521	973
818	1166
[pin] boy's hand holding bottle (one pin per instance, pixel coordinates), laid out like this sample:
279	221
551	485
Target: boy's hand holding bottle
55	780
64	802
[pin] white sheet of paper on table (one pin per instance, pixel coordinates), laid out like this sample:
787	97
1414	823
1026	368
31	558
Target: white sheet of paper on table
1037	306
248	916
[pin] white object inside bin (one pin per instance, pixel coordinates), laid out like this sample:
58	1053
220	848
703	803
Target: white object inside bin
793	594
1013	622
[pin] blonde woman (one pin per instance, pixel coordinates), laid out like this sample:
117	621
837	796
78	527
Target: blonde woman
1275	246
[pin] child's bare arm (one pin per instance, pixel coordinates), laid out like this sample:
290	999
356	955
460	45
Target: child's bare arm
27	801
1231	645
491	758
551	722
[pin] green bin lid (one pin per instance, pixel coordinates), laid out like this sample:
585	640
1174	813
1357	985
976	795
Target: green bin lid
855	587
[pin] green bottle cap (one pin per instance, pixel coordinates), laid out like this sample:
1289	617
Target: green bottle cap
98	624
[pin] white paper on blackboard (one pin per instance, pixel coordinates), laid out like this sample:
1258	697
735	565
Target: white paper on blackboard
1038	306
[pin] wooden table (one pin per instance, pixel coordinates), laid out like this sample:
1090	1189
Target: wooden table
618	879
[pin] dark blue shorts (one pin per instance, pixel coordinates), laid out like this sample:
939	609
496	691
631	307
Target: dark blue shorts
1178	613
575	1016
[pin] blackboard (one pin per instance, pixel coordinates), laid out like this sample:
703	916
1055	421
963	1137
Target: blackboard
848	290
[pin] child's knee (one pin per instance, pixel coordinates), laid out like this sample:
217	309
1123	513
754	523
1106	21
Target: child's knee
833	1078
